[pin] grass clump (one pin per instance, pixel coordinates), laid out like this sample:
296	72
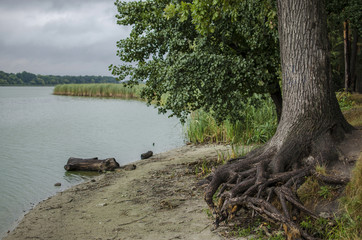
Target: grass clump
349	225
351	105
258	125
308	192
345	100
113	90
256	229
312	191
203	167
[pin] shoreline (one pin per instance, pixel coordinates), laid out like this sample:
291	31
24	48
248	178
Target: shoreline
154	201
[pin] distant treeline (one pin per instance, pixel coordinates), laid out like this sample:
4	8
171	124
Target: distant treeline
30	79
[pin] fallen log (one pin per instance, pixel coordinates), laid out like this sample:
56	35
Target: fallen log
146	155
91	164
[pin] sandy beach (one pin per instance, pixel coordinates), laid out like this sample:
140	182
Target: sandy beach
160	199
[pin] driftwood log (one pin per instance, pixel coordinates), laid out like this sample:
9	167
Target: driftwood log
91	164
146	155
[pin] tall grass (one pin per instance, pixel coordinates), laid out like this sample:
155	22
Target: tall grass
258	125
350	223
99	90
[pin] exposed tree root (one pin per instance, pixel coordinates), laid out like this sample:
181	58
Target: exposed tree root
250	183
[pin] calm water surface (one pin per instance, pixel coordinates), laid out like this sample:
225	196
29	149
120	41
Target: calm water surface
40	131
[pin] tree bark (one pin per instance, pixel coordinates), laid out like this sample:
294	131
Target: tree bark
310	107
91	164
276	96
347	66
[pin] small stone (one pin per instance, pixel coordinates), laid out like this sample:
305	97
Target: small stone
93	180
102	204
58	184
325	215
130	167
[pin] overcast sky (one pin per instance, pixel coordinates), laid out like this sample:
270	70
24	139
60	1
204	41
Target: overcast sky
59	37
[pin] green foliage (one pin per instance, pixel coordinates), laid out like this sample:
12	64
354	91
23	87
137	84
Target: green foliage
320	228
325	192
343	227
258	125
339	11
346	227
26	78
258	230
244	232
216	71
345	101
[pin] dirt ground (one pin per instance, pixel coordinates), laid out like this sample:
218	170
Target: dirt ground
157	200
160	199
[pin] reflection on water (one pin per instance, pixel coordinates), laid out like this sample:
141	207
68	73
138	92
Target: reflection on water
78	176
40	131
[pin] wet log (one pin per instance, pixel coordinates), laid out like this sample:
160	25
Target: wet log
91	164
146	155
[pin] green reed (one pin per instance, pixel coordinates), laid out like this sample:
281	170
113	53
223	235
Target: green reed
99	90
258	125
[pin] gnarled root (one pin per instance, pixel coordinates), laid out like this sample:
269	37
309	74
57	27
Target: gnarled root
250	184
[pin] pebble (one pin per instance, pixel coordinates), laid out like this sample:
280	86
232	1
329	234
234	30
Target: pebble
130	167
325	215
102	204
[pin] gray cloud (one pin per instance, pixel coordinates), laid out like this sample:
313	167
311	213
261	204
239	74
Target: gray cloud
68	37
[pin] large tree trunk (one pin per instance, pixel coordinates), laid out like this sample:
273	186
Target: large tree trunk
310	125
310	108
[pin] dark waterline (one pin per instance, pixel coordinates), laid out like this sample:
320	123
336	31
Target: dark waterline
40	131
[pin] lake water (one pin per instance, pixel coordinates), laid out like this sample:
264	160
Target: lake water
40	131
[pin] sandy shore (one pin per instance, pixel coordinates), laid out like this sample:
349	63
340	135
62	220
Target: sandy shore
157	200
160	199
